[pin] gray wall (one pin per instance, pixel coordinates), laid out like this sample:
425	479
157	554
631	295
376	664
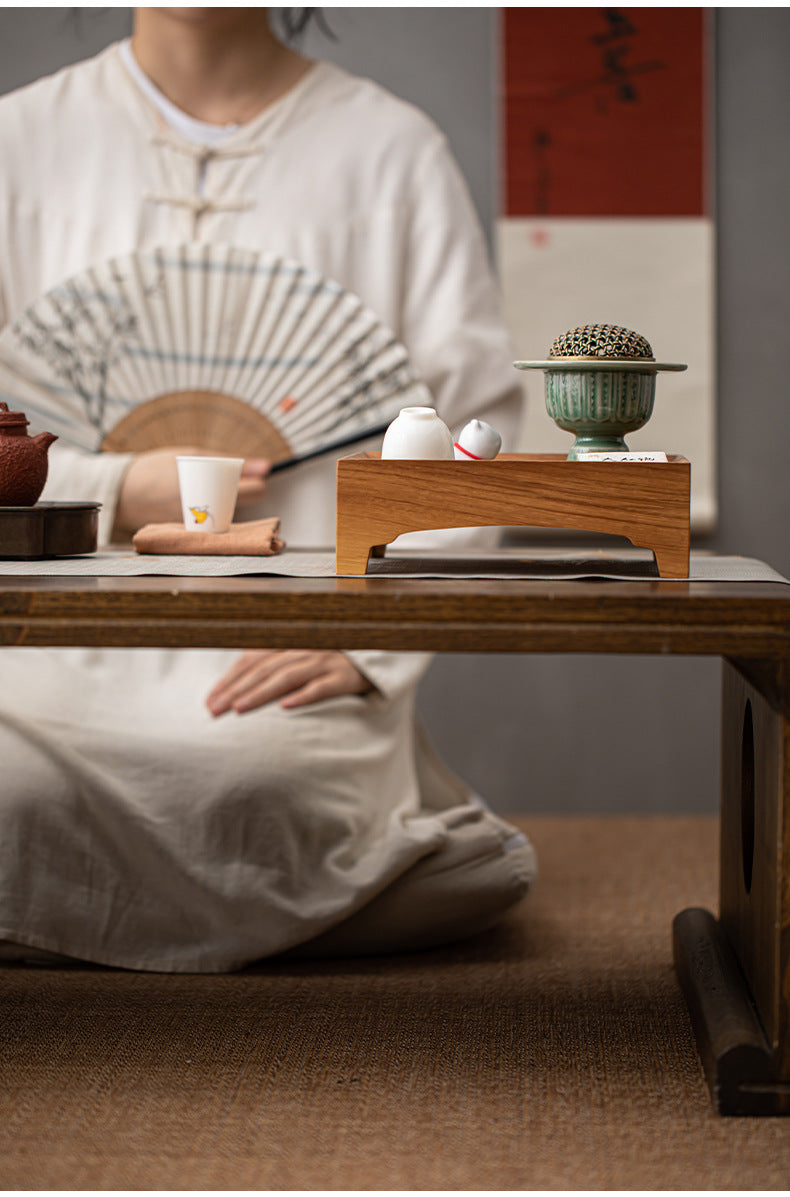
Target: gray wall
37	41
587	734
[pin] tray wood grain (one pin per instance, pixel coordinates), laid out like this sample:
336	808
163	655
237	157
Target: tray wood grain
646	502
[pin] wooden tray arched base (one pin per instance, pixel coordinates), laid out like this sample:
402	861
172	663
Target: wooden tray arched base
647	502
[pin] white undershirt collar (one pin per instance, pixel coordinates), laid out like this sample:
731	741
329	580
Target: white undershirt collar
199	132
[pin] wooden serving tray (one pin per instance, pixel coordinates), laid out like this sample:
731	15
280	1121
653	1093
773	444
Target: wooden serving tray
49	530
647	502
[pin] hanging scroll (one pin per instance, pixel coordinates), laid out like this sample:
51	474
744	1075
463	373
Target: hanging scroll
606	213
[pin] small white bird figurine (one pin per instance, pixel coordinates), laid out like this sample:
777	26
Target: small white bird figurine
478	441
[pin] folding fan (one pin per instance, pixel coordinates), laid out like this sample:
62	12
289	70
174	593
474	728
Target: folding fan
226	349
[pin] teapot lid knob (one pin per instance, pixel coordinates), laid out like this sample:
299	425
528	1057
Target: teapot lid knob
11	419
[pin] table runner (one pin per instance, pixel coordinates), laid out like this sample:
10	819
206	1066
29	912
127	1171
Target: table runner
558	564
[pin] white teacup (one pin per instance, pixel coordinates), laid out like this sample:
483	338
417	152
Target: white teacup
477	441
417	432
209	486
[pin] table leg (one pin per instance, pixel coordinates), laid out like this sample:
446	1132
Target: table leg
735	971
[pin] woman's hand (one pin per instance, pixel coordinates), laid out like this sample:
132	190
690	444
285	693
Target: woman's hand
149	492
297	677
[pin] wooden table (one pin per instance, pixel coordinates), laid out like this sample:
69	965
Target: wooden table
735	970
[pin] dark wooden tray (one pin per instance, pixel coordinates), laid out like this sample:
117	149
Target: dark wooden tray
49	530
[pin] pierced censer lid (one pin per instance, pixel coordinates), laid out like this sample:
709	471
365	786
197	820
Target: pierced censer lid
600	347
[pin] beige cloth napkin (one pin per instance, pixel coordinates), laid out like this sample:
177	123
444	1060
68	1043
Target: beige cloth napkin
256	538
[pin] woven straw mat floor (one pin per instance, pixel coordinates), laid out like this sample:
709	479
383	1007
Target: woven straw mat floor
552	1053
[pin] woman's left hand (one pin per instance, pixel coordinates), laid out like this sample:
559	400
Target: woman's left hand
297	677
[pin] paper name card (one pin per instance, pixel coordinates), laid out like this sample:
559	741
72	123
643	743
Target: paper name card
618	456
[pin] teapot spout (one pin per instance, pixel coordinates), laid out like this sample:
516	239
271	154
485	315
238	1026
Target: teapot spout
44	439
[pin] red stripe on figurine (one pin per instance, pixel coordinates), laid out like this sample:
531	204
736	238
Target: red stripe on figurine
466	452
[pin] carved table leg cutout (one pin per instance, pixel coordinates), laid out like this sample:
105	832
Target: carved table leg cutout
732	970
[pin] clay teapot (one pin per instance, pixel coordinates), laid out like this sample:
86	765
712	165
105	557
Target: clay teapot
23	460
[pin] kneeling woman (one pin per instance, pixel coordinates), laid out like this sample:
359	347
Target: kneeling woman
188	810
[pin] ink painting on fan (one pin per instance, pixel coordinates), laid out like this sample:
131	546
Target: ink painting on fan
231	350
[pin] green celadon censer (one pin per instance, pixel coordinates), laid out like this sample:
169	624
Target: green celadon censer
600	383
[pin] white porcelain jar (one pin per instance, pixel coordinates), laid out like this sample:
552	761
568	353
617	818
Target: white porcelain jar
417	432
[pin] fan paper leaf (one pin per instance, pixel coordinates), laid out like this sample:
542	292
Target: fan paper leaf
178	325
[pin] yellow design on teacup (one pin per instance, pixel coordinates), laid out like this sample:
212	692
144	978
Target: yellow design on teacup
200	514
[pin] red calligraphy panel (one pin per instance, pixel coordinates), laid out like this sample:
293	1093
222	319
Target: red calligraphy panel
604	111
